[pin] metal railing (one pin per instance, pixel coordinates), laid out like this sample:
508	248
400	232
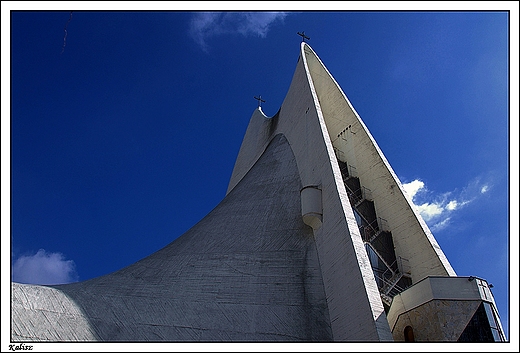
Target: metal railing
388	286
381	226
359	195
369	231
390	277
387	281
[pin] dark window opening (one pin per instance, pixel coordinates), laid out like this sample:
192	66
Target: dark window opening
408	334
479	328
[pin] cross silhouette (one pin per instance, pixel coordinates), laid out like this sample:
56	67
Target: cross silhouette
260	100
302	34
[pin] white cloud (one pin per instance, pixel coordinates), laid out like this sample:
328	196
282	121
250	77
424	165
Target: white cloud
205	25
430	210
452	205
44	268
436	210
413	187
441	225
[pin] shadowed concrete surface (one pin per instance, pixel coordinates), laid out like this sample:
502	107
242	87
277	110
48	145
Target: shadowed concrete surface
248	271
252	270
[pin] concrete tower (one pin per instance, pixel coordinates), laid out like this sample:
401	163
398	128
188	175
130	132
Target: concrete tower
315	240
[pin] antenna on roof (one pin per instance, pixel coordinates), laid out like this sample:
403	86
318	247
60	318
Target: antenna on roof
302	34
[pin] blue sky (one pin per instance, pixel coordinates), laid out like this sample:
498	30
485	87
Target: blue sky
125	126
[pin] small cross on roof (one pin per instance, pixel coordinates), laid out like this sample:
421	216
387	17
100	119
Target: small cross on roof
260	100
302	34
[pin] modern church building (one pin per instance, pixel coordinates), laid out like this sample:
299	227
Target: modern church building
315	240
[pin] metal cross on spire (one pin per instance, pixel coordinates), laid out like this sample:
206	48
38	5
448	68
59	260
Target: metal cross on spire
302	34
260	100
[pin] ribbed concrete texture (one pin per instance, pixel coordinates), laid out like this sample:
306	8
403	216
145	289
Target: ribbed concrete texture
313	239
247	272
47	314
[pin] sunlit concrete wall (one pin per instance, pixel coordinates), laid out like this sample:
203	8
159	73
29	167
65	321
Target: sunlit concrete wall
47	314
353	300
252	270
412	237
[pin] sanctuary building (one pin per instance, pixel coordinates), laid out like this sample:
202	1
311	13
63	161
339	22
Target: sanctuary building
315	240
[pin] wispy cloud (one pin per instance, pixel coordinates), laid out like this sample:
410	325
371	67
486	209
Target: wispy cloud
437	210
207	25
44	268
441	225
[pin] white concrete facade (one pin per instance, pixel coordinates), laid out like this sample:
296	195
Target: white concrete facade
313	114
290	265
440	308
248	271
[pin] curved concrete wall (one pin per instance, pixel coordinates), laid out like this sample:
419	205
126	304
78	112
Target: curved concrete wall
43	313
248	271
353	299
252	270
